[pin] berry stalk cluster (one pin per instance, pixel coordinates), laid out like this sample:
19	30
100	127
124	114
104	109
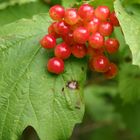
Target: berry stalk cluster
84	31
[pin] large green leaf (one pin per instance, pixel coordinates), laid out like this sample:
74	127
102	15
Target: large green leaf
22	11
29	95
130	24
6	3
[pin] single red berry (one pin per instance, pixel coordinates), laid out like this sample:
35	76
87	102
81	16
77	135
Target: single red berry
106	28
57	12
86	12
113	19
55	65
48	42
112	71
102	13
100	63
81	35
96	40
79	50
52	31
71	17
112	45
68	38
62	51
62	28
93	25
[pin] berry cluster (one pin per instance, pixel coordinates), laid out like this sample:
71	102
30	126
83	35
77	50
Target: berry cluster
84	31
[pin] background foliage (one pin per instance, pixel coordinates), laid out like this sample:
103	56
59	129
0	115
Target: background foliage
41	104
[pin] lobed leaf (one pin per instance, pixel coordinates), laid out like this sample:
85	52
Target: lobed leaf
29	95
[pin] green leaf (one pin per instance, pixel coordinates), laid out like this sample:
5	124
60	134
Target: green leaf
129	80
130	25
22	11
29	95
5	3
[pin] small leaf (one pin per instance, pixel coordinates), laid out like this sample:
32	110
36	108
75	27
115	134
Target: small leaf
29	95
130	25
129	80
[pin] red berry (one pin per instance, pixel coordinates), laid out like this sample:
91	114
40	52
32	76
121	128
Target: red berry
57	12
86	12
62	28
106	28
68	38
62	51
100	63
79	50
81	35
112	45
112	71
52	31
48	42
71	17
113	19
96	40
55	65
93	25
102	13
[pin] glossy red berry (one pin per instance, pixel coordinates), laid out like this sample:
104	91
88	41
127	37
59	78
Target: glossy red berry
86	12
113	19
79	50
81	35
112	45
102	13
96	40
69	38
57	12
106	28
112	71
93	25
62	51
55	65
71	17
62	28
52	31
48	42
100	63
